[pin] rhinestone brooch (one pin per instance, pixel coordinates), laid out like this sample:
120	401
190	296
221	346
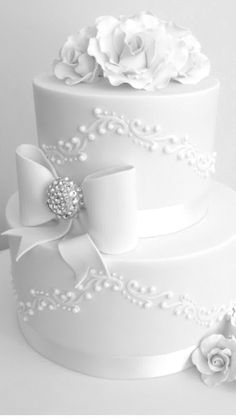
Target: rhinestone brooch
65	198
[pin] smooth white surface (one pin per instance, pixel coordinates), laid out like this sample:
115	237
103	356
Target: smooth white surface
30	384
32	32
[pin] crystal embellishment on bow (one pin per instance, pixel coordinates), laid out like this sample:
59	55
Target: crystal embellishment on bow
65	198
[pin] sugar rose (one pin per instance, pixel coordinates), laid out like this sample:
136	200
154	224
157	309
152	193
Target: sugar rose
215	359
146	52
74	64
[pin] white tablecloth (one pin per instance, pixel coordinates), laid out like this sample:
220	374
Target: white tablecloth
30	384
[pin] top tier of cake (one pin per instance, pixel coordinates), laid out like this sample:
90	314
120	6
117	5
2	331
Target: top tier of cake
167	135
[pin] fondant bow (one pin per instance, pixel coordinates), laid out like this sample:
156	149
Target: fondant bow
107	223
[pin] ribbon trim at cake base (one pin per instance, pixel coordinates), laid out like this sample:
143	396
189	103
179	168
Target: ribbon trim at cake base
110	367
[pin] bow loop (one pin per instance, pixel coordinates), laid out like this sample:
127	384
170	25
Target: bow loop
110	201
34	173
107	223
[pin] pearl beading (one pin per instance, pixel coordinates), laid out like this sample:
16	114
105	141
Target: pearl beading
149	137
145	297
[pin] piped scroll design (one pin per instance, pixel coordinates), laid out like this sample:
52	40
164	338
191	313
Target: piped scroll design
145	297
148	137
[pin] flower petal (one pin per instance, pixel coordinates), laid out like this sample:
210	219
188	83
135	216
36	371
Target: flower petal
214	379
105	27
232	374
86	64
94	51
163	74
210	342
219	360
63	71
200	362
199	68
136	62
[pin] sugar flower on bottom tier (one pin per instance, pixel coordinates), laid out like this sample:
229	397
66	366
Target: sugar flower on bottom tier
215	359
142	51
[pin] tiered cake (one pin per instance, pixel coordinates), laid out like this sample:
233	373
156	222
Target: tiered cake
123	248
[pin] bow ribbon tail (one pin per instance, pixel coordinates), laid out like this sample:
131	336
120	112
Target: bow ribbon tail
82	255
31	237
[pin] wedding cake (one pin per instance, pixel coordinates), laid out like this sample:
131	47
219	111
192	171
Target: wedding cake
122	245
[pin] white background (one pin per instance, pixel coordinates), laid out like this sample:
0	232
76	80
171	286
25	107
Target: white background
32	31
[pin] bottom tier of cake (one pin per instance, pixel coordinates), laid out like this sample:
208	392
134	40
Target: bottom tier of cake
146	316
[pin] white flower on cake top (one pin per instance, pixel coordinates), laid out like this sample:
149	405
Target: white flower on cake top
142	51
